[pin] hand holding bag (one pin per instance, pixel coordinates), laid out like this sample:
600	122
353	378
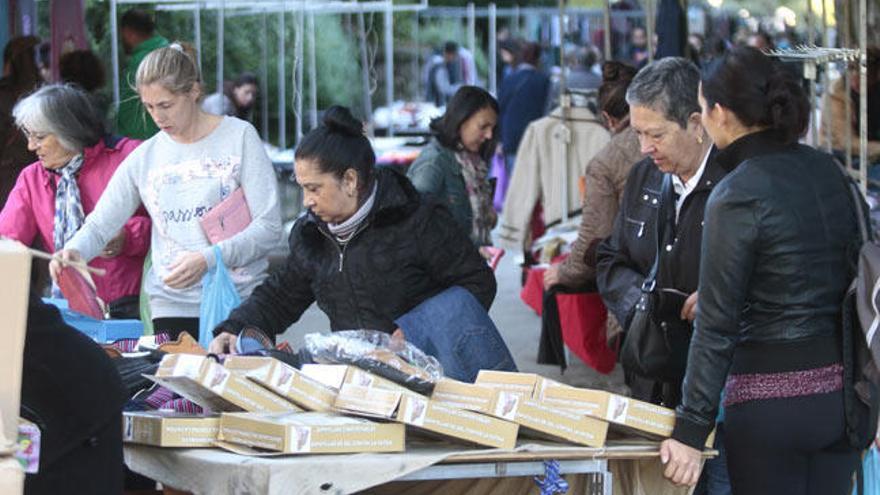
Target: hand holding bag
652	349
219	298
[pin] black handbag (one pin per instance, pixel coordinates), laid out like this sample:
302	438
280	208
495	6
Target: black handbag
656	350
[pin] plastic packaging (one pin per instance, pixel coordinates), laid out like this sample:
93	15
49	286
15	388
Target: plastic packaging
219	298
378	353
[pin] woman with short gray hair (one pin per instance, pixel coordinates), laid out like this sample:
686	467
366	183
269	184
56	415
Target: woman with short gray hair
674	181
53	195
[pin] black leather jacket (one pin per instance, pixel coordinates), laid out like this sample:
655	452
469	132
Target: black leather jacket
777	245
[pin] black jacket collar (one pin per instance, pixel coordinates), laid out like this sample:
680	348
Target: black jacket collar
750	146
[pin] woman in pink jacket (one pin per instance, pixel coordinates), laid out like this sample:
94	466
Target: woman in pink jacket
53	195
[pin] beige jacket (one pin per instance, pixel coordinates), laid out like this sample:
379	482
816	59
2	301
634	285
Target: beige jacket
834	101
540	165
605	179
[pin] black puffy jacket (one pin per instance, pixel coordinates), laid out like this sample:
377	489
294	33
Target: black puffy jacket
777	246
407	250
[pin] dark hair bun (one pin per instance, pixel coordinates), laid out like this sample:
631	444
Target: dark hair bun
788	107
339	119
617	72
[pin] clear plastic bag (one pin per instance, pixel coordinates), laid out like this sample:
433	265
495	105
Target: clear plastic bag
376	352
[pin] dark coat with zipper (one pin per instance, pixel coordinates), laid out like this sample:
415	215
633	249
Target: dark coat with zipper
407	250
781	234
625	258
71	390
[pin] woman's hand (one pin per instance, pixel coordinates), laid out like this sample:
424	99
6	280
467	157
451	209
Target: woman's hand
223	344
689	310
683	463
115	246
551	276
61	259
186	271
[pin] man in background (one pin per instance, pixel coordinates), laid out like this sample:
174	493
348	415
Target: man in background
138	39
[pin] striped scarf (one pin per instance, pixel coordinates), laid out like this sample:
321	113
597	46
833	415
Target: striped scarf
68	206
343	231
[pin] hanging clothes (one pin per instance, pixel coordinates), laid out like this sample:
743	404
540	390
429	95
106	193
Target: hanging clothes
547	151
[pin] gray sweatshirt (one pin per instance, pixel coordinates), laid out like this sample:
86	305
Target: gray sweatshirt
178	184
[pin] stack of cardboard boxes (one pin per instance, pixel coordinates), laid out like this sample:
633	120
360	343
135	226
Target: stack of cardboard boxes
263	403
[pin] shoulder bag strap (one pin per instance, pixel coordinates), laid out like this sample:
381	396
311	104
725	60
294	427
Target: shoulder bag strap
665	212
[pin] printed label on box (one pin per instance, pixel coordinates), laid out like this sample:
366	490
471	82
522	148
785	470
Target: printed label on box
282	378
217	379
507	405
361	378
300	439
416	411
618	408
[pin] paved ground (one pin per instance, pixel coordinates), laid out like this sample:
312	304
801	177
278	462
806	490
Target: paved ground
518	324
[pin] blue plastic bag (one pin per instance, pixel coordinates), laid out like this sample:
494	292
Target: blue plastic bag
871	465
219	298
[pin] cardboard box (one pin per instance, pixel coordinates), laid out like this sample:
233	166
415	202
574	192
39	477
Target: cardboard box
368	401
311	433
643	417
15	265
169	429
522	384
11	476
428	415
335	375
469	396
284	380
210	385
449	421
543	420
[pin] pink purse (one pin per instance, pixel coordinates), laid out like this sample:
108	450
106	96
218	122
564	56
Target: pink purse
227	217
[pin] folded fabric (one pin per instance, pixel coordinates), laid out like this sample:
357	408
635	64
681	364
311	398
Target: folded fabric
455	328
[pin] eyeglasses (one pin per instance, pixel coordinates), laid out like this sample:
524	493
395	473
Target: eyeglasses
36	137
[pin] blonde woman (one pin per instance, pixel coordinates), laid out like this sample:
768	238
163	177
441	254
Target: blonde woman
194	162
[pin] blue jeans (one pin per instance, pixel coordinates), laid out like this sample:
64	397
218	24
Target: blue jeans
456	329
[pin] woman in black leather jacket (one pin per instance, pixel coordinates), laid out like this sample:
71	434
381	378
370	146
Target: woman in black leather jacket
779	231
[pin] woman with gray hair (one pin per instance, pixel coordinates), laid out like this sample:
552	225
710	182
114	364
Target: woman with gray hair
52	196
664	197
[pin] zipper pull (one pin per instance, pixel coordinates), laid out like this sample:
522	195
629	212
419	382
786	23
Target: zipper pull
340	261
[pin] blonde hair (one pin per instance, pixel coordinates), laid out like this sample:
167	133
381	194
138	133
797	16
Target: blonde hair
174	67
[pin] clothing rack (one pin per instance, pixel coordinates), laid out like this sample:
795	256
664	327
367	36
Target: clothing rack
812	56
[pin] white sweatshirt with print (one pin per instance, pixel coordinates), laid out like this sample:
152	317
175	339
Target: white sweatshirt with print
178	184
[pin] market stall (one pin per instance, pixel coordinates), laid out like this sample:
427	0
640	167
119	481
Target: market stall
219	472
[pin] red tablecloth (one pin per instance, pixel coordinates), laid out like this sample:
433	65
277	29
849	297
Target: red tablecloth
583	317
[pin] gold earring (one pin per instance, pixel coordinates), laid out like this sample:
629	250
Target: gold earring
700	139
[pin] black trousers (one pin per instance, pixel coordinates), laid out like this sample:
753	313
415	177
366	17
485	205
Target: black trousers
175	326
794	446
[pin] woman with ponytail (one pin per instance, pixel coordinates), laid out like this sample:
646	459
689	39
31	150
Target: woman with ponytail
196	161
779	231
369	251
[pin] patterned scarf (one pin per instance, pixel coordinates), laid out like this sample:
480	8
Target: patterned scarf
68	206
343	231
476	181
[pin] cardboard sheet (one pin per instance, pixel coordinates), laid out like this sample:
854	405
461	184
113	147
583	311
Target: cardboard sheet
15	265
216	472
